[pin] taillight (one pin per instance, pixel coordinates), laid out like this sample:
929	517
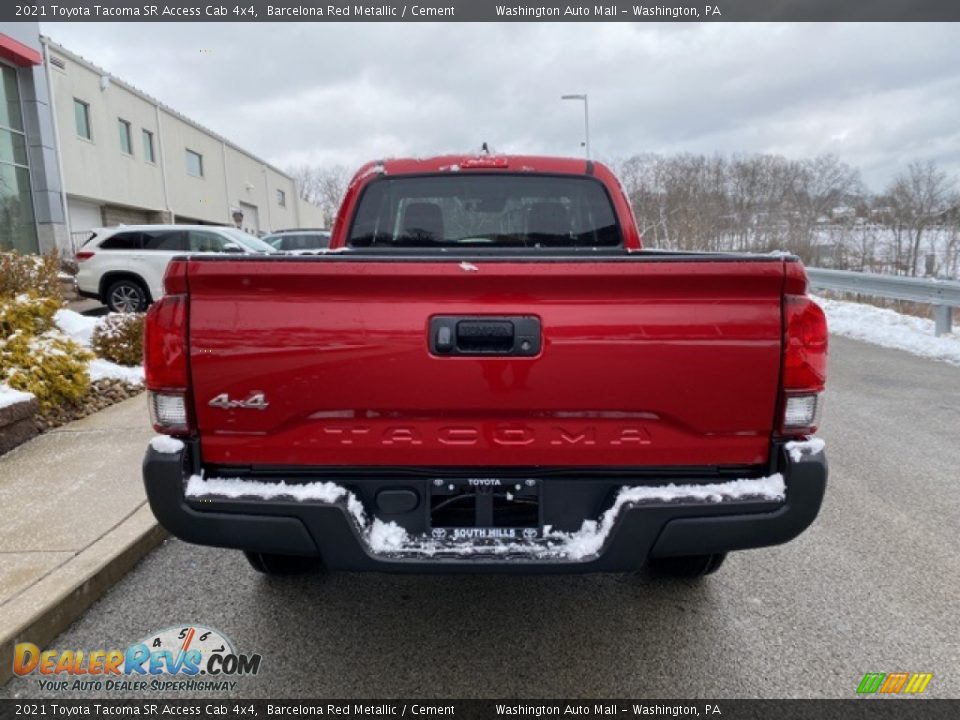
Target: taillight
169	412
166	366
175	277
82	255
804	364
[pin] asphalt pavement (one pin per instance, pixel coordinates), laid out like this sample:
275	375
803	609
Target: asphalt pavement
873	586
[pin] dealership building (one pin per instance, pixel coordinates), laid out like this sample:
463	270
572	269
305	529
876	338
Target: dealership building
80	148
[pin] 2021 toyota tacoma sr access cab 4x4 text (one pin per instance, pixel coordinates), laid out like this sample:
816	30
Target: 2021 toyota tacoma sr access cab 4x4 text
485	372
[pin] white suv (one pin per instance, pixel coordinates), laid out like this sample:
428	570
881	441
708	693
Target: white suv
123	266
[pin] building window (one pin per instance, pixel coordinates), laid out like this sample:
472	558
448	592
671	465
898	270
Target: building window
281	198
10	115
194	163
148	153
81	112
126	140
18	229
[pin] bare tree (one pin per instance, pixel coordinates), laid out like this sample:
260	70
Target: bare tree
920	198
322	186
943	246
815	189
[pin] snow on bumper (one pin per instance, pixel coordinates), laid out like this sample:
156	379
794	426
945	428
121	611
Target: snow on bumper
802	449
388	538
692	516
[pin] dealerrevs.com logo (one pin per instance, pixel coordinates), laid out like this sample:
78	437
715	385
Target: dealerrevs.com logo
183	658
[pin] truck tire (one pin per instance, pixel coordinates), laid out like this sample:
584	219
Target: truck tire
686	566
127	295
273	564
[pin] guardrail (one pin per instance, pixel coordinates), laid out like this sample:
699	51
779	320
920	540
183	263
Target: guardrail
942	294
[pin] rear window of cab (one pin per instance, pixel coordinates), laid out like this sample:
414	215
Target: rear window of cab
489	210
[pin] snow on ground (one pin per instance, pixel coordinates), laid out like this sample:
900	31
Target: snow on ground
9	396
387	538
890	329
100	369
80	329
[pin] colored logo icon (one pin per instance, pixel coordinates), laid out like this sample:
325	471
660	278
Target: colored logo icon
899	683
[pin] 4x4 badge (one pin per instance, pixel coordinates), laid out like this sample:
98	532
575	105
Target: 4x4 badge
256	401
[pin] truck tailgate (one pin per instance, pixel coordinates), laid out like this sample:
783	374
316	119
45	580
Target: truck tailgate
643	362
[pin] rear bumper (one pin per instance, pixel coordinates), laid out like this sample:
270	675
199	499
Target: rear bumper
639	531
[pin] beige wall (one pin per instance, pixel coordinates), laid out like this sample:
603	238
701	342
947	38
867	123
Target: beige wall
310	215
200	198
252	183
97	170
246	184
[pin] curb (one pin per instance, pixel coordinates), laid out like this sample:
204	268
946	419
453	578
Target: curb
47	608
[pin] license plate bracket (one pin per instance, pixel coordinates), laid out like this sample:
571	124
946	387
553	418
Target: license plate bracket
470	509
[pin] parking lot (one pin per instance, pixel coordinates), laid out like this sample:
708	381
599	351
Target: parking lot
871	587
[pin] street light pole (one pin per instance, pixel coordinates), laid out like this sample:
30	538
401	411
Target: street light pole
586	118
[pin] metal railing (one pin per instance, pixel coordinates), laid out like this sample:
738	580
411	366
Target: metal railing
944	295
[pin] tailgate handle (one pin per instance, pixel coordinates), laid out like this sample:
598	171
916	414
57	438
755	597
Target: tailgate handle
459	335
485	335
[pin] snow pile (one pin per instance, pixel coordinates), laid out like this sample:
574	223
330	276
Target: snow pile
890	329
10	396
390	538
80	329
386	537
100	369
799	449
166	444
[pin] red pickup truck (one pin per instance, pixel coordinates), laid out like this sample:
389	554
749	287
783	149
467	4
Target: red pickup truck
486	372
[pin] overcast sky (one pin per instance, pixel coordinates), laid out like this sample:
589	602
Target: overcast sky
877	95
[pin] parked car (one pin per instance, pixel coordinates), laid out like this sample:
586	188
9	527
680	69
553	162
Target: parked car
296	241
486	373
123	266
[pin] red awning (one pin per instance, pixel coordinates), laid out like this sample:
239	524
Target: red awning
18	53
